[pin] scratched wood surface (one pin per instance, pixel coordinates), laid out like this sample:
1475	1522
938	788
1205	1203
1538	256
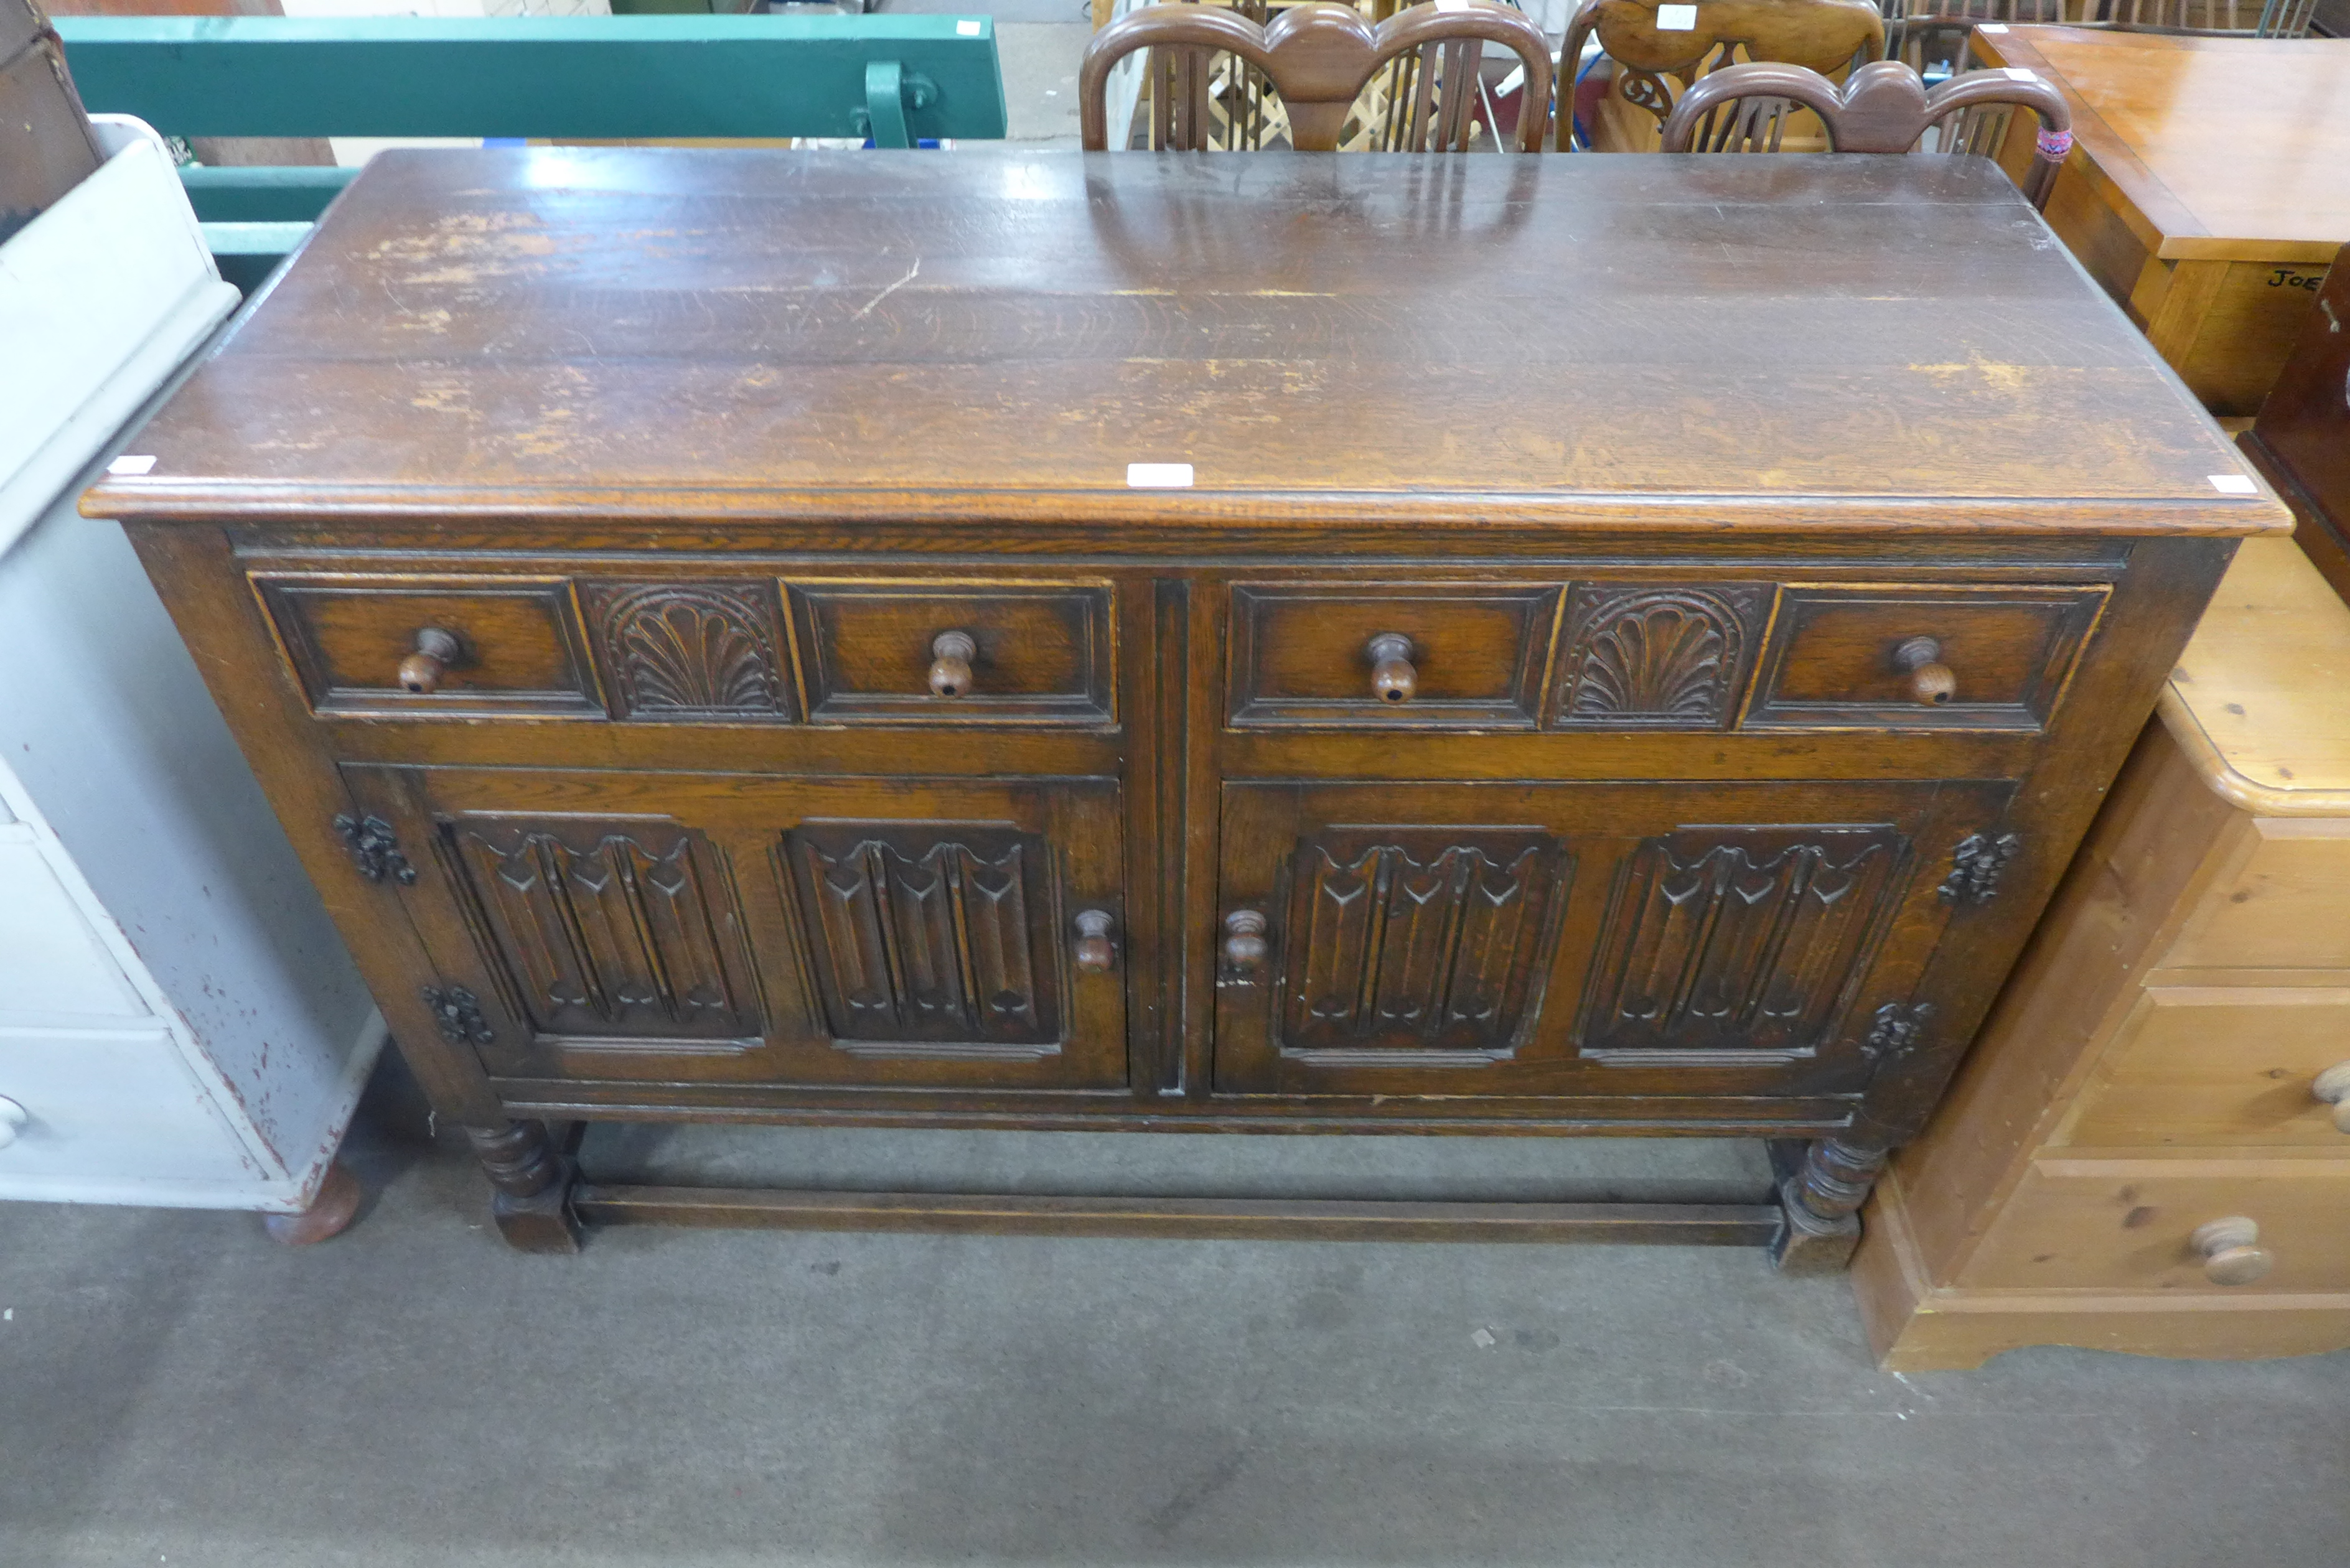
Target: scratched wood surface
1002	332
822	730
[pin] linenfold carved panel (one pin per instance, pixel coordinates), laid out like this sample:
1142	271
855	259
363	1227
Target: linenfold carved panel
1740	939
1415	941
1656	656
693	651
936	934
622	928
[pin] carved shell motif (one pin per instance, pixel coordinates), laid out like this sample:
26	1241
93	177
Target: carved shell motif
694	651
1664	658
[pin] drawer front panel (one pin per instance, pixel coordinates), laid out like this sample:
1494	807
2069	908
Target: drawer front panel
111	1107
1475	655
519	648
1832	659
52	963
2197	1067
2288	906
2074	1227
1038	653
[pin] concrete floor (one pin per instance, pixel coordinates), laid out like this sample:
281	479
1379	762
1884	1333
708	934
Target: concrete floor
182	1391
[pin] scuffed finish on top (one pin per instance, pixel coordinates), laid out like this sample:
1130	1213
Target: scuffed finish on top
1796	343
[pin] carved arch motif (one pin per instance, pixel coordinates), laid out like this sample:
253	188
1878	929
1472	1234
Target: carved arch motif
1656	657
682	652
608	929
1731	942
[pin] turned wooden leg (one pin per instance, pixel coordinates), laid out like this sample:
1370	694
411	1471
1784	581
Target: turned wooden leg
330	1213
1821	1198
532	1203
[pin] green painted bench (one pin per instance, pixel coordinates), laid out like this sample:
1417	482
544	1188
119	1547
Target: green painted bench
897	79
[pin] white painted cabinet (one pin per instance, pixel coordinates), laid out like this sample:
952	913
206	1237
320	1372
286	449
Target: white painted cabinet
178	1022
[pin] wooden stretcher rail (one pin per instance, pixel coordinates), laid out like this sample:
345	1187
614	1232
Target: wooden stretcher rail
1229	1219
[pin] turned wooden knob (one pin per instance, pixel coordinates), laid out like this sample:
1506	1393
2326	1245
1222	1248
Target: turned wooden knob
12	1116
1393	680
1244	945
421	670
1931	681
2230	1256
2333	1086
951	652
1096	952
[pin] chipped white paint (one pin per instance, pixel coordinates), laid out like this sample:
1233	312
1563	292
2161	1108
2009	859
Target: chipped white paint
2233	484
1676	18
179	1023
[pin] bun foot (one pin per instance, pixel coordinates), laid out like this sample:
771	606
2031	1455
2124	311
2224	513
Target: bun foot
329	1214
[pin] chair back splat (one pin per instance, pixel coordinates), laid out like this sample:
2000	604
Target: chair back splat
1316	59
1883	107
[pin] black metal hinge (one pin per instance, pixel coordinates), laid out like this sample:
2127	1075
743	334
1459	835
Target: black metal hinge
457	1013
1976	866
374	850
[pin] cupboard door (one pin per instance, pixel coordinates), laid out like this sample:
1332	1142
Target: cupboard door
705	928
1575	939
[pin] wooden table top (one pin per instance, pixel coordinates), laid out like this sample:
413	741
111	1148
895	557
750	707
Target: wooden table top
2257	698
2228	149
1819	343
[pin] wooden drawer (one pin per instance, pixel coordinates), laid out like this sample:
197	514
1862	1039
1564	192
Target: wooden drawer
109	1106
2198	1067
52	964
1830	659
2092	1225
2284	907
1473	654
519	650
1040	653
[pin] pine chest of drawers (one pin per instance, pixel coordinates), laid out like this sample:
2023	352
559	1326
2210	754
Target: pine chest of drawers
2149	1149
1013	638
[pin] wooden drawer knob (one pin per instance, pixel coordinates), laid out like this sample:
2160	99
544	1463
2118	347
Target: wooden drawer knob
1931	681
1393	680
1095	951
2333	1086
12	1116
421	670
951	652
2229	1250
1244	944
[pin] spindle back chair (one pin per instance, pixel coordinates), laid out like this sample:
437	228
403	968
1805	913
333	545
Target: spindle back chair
1300	75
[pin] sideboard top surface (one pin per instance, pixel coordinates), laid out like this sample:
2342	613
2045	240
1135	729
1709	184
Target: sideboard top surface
995	335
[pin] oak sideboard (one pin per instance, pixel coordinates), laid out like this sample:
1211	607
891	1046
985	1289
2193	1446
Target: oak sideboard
1022	638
